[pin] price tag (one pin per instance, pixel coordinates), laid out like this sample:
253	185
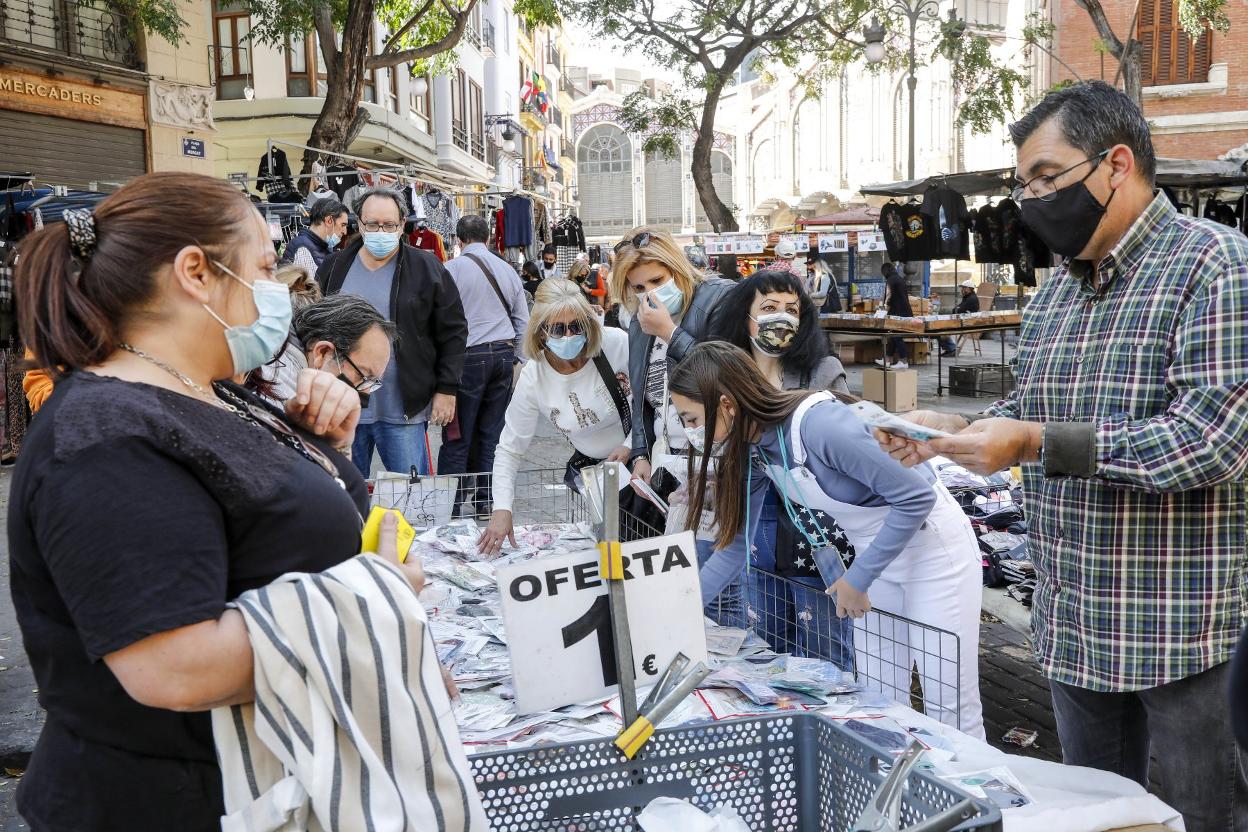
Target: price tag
275	229
871	241
801	242
750	244
833	243
558	620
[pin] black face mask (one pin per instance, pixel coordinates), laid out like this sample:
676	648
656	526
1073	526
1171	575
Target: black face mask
363	396
1066	222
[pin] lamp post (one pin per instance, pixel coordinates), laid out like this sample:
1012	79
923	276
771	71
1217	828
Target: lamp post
913	11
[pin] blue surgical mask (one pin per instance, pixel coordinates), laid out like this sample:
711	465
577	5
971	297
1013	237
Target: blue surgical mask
381	243
670	296
332	240
256	345
567	347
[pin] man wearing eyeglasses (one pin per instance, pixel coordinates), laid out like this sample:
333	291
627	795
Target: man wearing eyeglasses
1131	416
412	290
345	335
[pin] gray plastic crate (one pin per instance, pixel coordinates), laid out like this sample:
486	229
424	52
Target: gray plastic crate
797	772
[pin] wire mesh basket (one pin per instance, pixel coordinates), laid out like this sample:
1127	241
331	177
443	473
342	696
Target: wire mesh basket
794	771
910	662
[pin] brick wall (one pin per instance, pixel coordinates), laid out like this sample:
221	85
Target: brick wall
1196	138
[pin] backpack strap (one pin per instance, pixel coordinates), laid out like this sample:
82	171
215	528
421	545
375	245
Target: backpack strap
795	428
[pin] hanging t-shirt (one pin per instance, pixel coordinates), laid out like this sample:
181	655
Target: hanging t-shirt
947	217
907	232
517	221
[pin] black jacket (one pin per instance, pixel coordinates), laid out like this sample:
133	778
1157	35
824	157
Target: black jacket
425	306
309	239
967	305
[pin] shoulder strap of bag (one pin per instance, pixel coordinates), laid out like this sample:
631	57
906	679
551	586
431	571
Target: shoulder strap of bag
493	283
613	387
795	432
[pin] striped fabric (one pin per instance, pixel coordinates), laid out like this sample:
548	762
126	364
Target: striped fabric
351	728
1140	561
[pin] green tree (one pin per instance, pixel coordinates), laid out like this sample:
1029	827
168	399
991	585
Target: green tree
423	33
708	41
1195	16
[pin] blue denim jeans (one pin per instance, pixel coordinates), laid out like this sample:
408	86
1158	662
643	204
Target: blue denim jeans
481	410
794	615
1186	723
402	447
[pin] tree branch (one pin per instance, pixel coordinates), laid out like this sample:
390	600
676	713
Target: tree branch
325	33
429	50
1103	27
406	27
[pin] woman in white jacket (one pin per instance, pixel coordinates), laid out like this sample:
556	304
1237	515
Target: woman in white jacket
577	380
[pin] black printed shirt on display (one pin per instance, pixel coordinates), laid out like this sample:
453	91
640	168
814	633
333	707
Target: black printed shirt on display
947	217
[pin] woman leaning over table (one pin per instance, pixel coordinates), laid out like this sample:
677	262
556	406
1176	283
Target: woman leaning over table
576	380
155	491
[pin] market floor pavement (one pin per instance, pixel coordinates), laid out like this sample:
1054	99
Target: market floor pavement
1014	692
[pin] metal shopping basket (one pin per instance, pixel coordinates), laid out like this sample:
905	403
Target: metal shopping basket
797	772
910	662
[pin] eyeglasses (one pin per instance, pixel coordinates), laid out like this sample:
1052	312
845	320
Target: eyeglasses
368	384
640	241
1044	187
374	227
561	330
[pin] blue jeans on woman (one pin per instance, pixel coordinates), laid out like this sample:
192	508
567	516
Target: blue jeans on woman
794	615
728	609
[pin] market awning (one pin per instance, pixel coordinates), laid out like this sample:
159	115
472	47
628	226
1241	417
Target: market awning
857	215
1174	173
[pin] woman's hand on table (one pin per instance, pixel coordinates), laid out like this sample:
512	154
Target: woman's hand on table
499	529
326	406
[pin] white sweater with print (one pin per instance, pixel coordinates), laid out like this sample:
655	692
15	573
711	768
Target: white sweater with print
579	406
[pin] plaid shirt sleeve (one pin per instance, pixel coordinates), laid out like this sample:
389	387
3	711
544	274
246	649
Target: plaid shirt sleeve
1201	439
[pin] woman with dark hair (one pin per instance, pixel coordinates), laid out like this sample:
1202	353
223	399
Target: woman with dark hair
531	277
899	534
156	491
770	316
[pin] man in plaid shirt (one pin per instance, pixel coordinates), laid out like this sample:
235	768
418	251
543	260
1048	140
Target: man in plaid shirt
1131	417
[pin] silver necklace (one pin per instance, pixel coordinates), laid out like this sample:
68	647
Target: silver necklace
280	432
207	395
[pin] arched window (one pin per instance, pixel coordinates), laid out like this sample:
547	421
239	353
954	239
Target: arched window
808	143
764	171
721	177
604	170
663	186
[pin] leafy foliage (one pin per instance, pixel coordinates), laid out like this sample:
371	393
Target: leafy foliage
663	121
1197	15
989	92
160	17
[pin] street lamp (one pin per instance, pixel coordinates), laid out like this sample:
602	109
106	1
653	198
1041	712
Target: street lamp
913	11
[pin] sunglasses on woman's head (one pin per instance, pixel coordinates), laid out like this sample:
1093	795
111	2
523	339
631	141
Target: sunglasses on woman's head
561	330
640	241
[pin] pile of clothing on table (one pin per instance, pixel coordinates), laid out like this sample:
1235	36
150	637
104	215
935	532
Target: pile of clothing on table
465	619
995	507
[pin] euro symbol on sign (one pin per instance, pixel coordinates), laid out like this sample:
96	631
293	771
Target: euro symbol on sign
648	666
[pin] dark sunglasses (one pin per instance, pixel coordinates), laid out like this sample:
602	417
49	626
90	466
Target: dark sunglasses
561	330
640	241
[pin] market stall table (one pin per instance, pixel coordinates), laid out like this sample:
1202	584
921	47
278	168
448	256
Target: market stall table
930	327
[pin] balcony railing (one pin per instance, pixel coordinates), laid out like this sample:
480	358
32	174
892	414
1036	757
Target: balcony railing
487	35
534	109
552	57
473	35
478	145
459	134
81	28
566	148
555	117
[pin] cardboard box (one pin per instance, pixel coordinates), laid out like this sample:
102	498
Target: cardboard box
897	391
920	351
866	352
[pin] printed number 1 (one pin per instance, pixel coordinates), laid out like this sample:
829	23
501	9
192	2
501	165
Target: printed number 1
596	619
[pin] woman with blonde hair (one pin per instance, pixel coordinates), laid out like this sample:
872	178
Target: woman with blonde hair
672	305
576	380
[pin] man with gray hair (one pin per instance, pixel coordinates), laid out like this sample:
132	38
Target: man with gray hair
497	313
345	335
1131	417
411	289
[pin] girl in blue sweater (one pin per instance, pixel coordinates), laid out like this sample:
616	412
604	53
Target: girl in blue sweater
906	545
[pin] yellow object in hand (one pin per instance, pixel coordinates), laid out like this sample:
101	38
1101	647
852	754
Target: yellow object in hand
370	538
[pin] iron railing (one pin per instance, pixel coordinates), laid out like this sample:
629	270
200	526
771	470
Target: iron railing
555	116
566	148
487	35
80	28
459	134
